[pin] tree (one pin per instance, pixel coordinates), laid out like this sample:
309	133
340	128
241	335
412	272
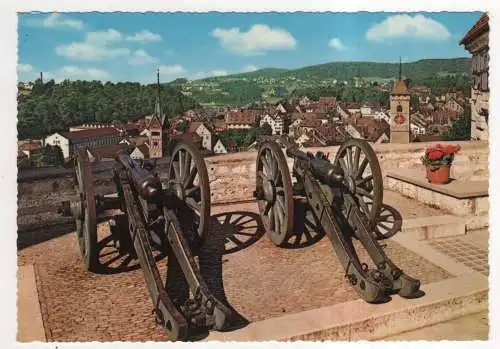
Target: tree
460	128
265	130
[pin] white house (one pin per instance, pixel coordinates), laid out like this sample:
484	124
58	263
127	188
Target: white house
140	152
353	132
277	123
201	130
219	148
69	142
60	140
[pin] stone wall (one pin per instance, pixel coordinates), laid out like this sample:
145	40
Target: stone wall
232	176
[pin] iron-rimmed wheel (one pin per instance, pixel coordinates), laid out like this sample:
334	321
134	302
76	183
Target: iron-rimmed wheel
188	177
274	192
362	176
84	210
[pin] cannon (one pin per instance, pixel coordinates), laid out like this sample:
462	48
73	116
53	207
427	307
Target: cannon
345	198
151	215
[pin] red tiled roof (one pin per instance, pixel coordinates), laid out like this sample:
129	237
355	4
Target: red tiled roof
94	132
327	100
193	126
481	26
32	145
241	117
108	151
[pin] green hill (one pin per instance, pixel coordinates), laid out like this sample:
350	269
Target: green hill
348	70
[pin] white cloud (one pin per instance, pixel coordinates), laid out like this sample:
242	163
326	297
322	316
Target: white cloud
96	46
406	26
141	57
78	73
24	68
256	41
144	36
103	37
337	44
56	20
175	69
219	72
249	68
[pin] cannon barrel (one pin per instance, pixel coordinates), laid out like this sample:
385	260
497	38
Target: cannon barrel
323	170
147	185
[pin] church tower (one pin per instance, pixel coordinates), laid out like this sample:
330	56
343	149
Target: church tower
400	111
156	125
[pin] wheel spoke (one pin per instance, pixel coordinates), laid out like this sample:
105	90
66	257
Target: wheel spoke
193	204
271	217
278	217
187	165
362	168
180	164
363	192
175	165
343	165
364	180
192	191
188	181
357	154
364	206
349	161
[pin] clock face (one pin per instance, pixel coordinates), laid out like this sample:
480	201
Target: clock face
399	119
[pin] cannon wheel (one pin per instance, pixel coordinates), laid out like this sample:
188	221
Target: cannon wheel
275	198
188	177
355	156
86	224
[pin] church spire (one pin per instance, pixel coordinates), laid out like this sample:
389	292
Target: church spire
400	68
157	104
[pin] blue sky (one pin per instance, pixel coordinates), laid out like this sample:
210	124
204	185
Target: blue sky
129	46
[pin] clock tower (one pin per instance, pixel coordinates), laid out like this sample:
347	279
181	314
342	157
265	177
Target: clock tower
400	111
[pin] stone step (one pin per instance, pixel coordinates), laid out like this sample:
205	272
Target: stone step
358	320
426	228
29	317
464	199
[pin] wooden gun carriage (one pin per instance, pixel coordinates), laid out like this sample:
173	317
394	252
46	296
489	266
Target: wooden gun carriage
172	216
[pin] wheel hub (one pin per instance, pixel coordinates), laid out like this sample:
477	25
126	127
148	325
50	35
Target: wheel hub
179	191
351	184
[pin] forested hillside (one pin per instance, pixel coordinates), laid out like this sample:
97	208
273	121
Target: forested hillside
52	107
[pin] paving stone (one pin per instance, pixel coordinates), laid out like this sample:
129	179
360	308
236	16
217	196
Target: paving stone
259	280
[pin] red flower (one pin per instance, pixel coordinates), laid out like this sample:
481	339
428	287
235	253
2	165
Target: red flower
439	146
435	155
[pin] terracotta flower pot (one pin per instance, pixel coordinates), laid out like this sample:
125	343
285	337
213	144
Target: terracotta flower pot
438	174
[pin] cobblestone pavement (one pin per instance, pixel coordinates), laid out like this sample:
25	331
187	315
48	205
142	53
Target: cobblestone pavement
464	252
239	262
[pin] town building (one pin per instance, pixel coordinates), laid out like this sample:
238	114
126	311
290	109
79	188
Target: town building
240	119
476	41
400	111
70	142
157	126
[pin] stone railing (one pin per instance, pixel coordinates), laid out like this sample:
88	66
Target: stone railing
232	176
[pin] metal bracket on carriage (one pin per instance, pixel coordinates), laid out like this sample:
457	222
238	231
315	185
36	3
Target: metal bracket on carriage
345	198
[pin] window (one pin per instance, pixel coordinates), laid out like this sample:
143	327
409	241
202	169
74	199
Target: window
155	144
155	133
399	109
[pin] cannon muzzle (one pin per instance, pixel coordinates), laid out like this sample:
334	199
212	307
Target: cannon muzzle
147	184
